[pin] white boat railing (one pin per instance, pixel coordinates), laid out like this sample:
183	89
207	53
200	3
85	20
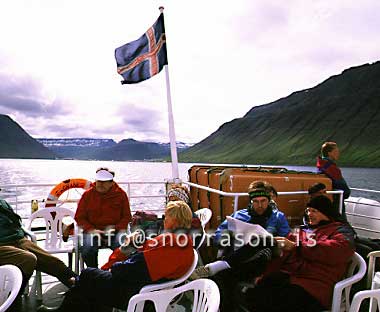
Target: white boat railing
364	190
15	191
151	195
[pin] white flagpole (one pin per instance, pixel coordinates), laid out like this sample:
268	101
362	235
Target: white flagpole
173	144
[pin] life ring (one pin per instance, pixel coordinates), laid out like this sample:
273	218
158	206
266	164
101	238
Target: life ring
63	186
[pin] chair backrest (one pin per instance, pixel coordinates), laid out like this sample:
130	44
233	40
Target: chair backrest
206	296
204	216
10	284
355	272
364	294
53	217
371	266
173	283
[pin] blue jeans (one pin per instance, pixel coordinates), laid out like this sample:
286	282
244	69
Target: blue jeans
92	242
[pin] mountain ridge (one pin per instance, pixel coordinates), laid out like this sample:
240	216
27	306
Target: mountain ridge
343	108
15	141
108	149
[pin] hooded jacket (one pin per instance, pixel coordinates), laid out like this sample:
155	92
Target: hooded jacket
98	211
329	168
320	260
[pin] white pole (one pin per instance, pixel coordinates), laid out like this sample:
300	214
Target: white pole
173	144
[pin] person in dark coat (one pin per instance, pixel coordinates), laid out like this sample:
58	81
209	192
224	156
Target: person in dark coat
313	261
17	249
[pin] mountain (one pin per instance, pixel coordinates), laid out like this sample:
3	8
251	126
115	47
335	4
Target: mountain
131	150
77	148
345	108
108	149
16	143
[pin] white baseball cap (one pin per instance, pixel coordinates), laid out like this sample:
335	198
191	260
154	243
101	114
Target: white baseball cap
103	175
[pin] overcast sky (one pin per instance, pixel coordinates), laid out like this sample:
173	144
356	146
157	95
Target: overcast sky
58	73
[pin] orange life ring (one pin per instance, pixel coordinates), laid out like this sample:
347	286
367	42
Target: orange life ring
63	186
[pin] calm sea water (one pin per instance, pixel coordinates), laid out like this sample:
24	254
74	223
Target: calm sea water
29	171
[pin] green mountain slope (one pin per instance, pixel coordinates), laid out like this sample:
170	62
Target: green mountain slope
344	108
16	143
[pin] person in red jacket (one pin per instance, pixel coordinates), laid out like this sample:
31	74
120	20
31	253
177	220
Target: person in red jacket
103	214
313	261
327	164
165	257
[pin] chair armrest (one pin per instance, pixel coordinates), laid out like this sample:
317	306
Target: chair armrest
32	236
346	284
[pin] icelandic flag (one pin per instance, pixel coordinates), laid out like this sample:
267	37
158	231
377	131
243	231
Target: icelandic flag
145	57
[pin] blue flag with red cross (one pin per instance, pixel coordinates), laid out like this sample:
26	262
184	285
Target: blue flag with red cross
145	57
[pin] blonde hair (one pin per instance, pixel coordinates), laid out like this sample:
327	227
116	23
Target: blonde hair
180	211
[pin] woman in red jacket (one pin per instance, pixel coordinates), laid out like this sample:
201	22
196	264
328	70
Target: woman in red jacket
313	261
103	214
165	257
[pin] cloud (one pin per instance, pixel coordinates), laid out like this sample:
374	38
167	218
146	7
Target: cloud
140	119
260	20
25	95
130	121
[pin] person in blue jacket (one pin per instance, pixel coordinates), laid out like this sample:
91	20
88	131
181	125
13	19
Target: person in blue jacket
250	260
262	210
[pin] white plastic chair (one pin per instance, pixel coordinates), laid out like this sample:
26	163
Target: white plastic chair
357	263
371	266
204	216
165	285
53	242
206	297
364	294
172	283
10	284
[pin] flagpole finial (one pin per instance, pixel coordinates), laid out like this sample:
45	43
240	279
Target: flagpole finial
161	8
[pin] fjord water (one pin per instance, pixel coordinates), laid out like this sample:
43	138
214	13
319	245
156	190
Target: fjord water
29	171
